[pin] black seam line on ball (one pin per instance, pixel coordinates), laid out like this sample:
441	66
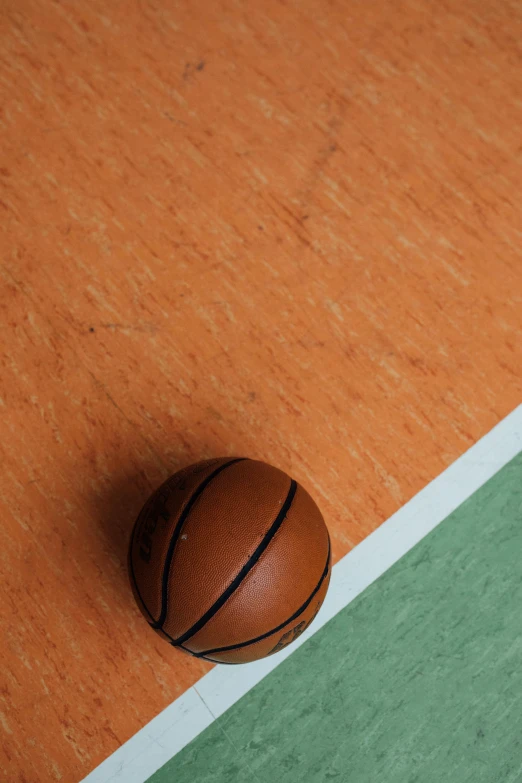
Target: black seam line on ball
133	576
282	625
139	594
244	571
202	657
173	541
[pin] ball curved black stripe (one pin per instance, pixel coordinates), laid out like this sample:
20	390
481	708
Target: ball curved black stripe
134	582
131	561
233	586
175	536
280	627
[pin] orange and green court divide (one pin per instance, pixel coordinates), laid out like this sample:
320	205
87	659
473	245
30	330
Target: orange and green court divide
413	668
289	231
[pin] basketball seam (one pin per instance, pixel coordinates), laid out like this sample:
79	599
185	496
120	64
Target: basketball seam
146	507
279	627
140	596
173	640
202	657
174	539
131	559
225	595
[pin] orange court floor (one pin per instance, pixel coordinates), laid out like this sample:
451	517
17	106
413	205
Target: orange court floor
288	230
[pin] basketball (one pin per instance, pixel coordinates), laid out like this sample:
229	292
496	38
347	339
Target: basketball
230	560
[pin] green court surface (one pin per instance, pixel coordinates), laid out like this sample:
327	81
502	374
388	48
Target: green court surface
418	680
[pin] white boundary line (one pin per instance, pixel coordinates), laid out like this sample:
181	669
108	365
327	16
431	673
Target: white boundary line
178	724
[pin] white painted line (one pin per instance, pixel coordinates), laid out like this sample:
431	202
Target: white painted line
188	716
155	743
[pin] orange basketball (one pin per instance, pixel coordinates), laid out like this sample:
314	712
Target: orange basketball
230	560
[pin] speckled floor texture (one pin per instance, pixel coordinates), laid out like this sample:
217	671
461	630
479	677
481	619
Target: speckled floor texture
289	230
419	679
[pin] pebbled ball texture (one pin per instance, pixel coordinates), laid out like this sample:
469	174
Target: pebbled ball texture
230	560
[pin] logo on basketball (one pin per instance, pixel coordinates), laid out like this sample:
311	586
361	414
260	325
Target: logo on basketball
291	635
